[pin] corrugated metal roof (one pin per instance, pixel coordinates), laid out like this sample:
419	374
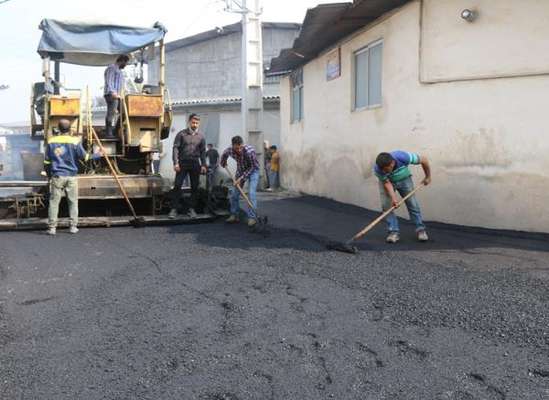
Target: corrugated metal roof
224	31
207	101
219	101
325	25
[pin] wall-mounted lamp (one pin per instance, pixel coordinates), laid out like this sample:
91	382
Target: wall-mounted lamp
469	15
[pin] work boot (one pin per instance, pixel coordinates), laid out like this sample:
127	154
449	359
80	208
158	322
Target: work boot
192	213
172	214
393	237
73	230
252	222
422	236
108	133
52	231
233	219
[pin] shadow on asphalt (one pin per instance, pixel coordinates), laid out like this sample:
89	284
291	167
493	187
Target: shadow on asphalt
308	223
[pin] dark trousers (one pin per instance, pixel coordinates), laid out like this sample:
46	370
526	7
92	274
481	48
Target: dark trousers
112	113
211	175
192	169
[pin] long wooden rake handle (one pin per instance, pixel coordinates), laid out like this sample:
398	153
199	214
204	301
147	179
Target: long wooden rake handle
111	167
382	216
241	191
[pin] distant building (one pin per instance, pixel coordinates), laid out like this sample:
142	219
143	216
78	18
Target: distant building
465	82
15	146
203	75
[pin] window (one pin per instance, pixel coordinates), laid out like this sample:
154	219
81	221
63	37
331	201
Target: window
296	80
367	82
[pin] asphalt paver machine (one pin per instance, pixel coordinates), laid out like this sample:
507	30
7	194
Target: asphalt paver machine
144	120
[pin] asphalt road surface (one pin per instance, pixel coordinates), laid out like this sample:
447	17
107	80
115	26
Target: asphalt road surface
214	312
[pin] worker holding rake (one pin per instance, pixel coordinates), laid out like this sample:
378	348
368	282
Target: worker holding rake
247	169
393	172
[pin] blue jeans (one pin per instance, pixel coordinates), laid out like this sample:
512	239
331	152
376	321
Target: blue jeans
252	190
273	180
403	188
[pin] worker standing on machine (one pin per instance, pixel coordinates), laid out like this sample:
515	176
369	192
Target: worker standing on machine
62	154
114	83
189	158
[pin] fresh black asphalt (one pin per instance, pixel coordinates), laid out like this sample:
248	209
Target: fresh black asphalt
214	312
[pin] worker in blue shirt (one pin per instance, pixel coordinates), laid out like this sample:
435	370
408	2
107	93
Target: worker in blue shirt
114	84
62	154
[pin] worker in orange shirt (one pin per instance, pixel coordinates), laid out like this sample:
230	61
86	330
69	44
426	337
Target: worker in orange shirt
275	168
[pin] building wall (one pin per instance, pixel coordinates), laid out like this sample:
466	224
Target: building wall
12	148
219	125
486	139
212	68
507	39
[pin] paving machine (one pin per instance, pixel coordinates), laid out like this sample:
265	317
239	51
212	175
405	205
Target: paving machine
144	119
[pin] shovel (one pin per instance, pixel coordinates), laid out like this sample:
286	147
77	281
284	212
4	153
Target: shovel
261	221
347	247
136	222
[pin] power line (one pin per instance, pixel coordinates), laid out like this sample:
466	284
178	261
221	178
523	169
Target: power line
206	9
3	1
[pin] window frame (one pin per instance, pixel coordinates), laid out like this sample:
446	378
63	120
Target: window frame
362	50
296	88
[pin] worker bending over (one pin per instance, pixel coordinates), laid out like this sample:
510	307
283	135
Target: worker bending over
247	169
393	172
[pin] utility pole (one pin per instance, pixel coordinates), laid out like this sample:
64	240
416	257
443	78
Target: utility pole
252	72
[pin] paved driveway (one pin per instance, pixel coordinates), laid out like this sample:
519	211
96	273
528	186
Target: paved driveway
214	312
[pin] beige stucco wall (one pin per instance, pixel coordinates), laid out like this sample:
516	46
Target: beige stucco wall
508	38
488	140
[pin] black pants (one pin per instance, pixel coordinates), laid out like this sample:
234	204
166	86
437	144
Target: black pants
192	168
112	113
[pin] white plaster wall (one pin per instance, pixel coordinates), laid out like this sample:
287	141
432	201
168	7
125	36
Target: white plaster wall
229	126
487	140
509	37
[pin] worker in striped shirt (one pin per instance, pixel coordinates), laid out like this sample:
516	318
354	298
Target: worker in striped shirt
114	82
392	170
247	170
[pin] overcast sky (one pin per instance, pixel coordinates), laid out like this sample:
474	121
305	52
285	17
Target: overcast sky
19	35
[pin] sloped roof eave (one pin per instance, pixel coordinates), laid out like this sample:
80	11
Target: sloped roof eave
325	25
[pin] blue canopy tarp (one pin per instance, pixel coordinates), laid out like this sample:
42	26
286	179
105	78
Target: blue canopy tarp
93	44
